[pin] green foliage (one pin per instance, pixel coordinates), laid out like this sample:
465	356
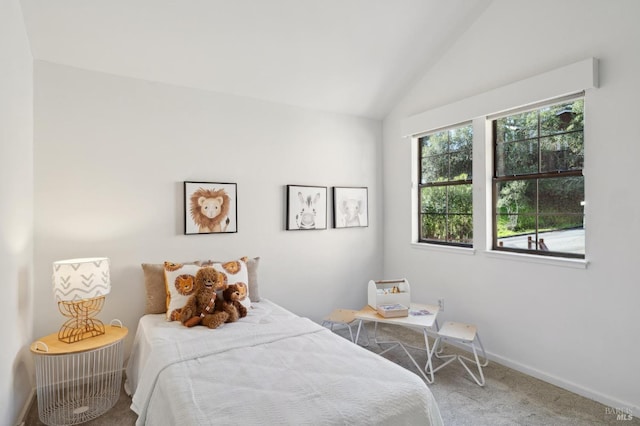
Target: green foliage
447	213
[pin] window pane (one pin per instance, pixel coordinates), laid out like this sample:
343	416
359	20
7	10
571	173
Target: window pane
461	165
460	199
562	152
435	169
517	158
433	227
435	144
460	139
460	228
433	199
517	202
517	127
561	118
560	239
562	195
518	241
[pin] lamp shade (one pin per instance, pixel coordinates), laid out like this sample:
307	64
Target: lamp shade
80	279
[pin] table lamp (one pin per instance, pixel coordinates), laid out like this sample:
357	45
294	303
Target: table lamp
80	286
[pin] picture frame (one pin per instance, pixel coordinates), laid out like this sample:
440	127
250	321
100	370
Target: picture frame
350	207
306	208
210	208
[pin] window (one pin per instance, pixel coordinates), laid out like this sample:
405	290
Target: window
538	185
445	208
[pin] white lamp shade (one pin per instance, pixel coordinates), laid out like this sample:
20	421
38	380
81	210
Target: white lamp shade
78	279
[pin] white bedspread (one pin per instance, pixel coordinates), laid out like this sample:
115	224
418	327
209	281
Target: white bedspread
270	368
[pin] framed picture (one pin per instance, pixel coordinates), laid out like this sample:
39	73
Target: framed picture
350	207
210	208
306	207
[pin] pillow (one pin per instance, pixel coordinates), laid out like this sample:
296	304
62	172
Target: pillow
252	270
155	288
180	284
235	272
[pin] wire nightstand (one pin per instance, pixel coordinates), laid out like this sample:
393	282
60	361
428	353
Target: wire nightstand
77	382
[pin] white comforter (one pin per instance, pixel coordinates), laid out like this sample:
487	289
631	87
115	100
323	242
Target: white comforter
270	368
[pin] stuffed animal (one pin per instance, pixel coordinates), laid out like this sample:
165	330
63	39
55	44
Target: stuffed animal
222	306
233	294
209	210
200	307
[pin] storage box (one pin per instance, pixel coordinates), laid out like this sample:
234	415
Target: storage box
393	310
388	292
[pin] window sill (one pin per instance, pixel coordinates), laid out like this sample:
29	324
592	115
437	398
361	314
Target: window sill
546	260
445	249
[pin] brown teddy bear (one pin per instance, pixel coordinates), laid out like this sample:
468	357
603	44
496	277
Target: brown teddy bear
233	294
200	307
226	307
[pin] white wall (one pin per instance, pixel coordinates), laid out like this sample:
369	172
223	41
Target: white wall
111	155
16	211
577	328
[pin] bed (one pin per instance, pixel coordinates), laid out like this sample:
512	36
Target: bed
270	367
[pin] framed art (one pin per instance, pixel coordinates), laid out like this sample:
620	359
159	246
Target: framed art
210	208
350	207
306	207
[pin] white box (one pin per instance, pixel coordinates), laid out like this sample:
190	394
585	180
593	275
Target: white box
382	292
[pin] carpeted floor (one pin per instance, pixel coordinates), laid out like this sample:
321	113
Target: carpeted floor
508	397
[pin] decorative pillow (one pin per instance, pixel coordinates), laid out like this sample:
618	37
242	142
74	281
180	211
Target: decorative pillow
180	284
155	288
235	272
156	301
252	268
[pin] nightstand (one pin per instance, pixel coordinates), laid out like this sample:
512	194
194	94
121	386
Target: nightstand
77	382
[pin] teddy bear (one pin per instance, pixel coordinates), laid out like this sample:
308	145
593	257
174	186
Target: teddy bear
233	294
227	307
200	307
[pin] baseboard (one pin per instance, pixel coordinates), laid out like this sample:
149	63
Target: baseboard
27	406
564	384
557	381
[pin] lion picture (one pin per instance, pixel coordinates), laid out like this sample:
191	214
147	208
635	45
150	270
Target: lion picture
210	207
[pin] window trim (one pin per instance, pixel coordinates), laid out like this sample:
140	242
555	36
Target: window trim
566	80
491	123
419	185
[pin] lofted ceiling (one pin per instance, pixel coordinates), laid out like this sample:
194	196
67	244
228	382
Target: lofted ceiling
346	56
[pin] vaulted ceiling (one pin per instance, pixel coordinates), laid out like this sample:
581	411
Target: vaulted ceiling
346	56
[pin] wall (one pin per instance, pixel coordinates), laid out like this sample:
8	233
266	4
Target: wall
573	327
111	155
16	212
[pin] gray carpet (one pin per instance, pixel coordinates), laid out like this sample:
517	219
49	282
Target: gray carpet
508	397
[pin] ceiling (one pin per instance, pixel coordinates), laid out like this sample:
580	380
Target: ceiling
346	56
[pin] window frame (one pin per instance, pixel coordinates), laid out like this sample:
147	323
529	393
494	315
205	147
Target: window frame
446	184
559	174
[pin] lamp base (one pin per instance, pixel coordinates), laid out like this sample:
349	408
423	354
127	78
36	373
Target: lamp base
81	323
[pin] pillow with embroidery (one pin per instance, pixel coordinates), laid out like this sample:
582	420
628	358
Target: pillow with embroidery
180	284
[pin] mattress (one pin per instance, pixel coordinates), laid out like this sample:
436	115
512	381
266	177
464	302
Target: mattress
271	367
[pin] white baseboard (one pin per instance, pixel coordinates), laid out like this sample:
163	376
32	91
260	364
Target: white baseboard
27	406
557	381
564	384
